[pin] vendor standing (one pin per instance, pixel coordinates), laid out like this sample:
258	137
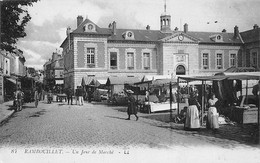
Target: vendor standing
192	121
212	116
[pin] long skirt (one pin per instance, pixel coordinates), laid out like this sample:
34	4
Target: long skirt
192	118
212	120
132	109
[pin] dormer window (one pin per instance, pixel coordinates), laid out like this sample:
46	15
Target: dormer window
89	28
128	35
216	38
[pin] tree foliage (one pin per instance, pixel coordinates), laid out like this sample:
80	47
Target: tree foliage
14	18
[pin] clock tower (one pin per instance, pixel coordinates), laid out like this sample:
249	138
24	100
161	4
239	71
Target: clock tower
165	19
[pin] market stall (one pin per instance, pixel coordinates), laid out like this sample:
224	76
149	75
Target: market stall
157	95
239	109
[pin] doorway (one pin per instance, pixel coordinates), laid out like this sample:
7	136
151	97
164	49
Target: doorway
180	70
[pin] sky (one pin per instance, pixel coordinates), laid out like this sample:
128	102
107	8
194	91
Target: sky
50	19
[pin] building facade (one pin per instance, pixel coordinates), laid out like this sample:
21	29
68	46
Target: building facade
11	70
53	72
90	50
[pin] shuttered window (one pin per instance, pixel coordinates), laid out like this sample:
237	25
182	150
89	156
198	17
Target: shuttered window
146	60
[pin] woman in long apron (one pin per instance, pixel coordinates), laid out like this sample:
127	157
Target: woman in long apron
192	121
212	120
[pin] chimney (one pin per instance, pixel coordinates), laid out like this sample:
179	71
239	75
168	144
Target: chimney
114	28
79	20
255	26
147	27
236	32
110	26
68	31
224	31
185	28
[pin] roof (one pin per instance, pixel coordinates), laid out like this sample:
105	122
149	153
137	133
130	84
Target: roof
100	31
251	35
205	37
122	80
139	35
145	35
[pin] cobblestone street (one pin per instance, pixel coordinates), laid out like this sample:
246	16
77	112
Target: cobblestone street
60	125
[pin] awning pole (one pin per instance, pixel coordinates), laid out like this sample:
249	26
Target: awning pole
202	102
246	91
170	101
258	117
178	94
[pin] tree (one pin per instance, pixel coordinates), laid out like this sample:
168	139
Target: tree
14	18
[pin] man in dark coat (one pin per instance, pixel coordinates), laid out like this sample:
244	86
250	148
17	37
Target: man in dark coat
80	95
69	95
132	108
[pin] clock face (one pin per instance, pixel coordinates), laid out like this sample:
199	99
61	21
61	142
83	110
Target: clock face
180	37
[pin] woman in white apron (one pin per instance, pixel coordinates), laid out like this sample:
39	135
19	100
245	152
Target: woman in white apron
212	120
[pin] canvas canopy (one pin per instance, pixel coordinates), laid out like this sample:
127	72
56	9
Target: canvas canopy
230	76
121	80
86	80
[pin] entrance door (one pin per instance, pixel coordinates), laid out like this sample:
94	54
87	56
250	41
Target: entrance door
180	70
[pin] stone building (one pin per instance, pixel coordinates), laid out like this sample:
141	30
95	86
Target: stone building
90	50
11	70
53	72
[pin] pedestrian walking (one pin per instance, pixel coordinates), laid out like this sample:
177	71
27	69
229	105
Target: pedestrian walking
49	97
80	95
69	95
192	121
212	115
77	95
36	98
18	99
132	108
89	95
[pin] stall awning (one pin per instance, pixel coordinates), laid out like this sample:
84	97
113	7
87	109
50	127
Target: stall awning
87	80
229	76
98	82
122	80
11	80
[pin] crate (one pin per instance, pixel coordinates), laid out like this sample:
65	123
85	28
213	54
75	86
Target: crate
250	116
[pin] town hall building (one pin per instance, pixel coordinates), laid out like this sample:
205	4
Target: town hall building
90	50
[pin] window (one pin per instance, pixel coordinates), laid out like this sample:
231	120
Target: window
130	60
113	60
205	60
254	59
90	56
232	60
219	61
146	60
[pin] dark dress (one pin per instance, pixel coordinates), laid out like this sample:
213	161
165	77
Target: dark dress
132	109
